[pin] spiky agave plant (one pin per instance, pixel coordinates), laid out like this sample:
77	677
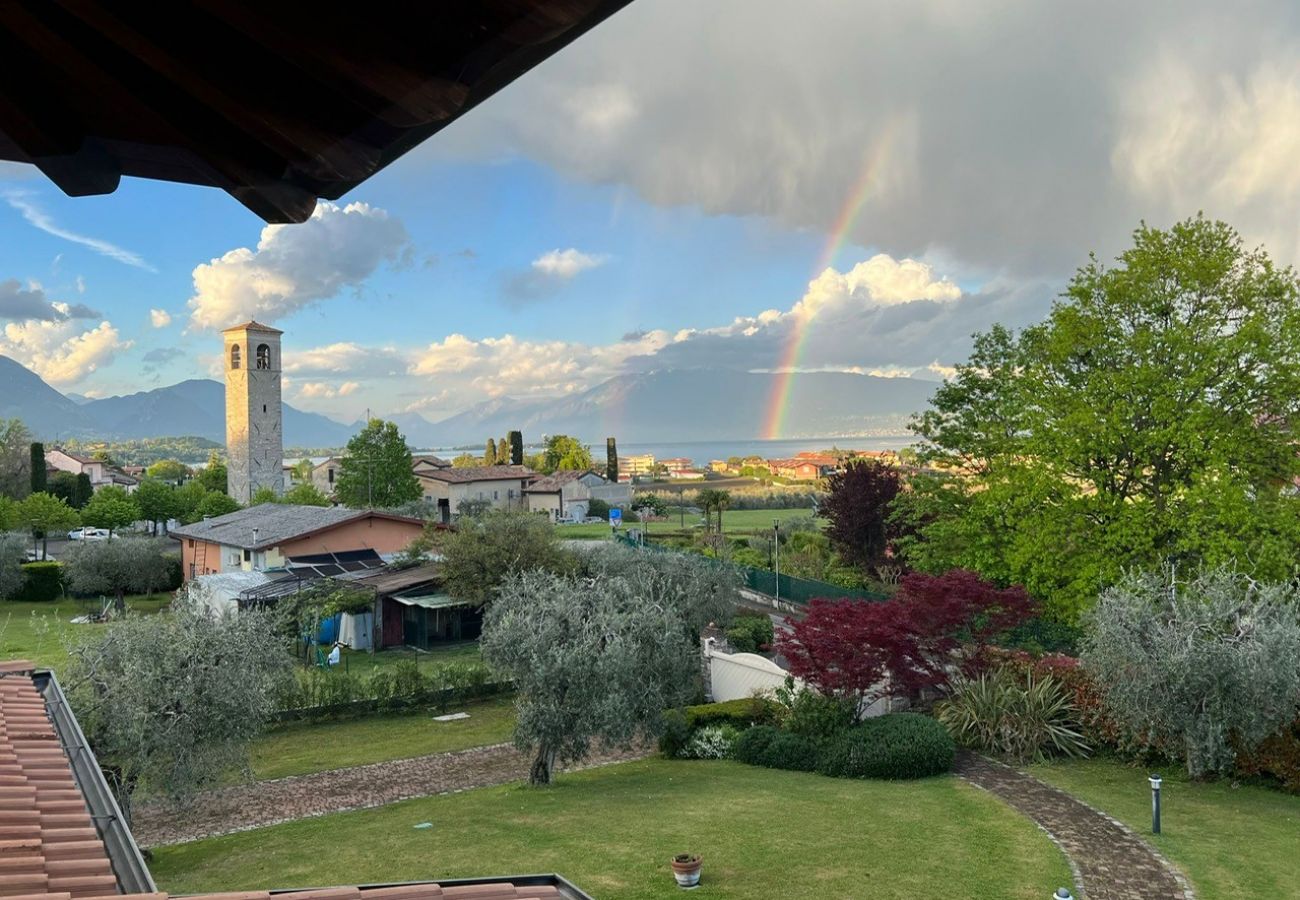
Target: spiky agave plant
1023	720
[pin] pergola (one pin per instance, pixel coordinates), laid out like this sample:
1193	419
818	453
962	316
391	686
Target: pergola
276	103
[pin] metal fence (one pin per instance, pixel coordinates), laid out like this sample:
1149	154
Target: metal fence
789	588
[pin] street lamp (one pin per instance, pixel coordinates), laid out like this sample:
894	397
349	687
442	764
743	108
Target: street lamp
776	555
1155	803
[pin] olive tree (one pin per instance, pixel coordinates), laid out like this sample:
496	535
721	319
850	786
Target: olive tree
1197	668
597	656
127	564
484	549
171	702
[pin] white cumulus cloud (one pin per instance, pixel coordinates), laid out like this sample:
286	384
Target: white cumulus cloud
566	263
295	266
58	351
159	318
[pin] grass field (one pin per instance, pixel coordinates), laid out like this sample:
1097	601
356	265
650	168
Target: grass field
612	830
40	632
297	749
734	521
360	661
1232	841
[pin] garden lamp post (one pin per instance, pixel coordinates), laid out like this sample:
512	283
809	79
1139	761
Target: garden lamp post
1155	803
776	554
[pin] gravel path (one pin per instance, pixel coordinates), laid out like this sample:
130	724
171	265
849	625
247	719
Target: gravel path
261	803
1110	861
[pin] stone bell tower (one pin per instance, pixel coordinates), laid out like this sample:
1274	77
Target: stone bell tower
254	417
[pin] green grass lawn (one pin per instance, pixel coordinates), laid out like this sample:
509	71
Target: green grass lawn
612	830
297	749
1230	841
733	521
40	632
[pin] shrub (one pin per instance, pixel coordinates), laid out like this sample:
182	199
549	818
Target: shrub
1277	757
750	632
674	734
807	712
896	746
790	751
740	713
1024	719
752	744
1199	670
598	508
42	581
711	742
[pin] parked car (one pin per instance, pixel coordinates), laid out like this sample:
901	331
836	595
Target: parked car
88	534
566	520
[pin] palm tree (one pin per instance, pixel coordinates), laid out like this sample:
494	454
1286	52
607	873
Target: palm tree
708	499
721	501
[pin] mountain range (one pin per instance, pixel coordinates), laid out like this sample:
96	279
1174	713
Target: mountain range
673	404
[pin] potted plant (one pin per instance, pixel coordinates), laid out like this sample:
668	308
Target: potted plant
686	869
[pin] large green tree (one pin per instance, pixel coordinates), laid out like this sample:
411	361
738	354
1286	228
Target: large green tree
158	503
111	508
1152	416
43	514
213	476
487	547
127	564
376	470
172	470
564	453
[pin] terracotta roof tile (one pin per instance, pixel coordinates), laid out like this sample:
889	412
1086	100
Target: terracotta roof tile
51	850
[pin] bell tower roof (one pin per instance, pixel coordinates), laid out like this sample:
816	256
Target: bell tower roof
253	325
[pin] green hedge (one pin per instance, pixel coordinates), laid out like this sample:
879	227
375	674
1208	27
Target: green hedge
42	582
751	746
897	745
742	713
750	633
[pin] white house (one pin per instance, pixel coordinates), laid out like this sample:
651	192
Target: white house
101	474
569	494
502	487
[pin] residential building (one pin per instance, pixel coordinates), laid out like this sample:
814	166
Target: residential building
720	466
101	473
65	837
254	416
634	468
502	487
325	475
686	474
429	461
677	464
569	494
799	469
264	536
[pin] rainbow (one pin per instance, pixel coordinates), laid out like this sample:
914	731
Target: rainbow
854	203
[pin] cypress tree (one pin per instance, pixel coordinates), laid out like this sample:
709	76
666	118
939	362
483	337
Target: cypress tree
490	453
85	490
503	452
39	475
611	460
516	448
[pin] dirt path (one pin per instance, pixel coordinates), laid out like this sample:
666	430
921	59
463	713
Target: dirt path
247	806
1109	860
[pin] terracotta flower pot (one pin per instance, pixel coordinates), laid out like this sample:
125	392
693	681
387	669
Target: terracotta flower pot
686	869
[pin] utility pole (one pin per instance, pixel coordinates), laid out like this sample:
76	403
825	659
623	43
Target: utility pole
776	555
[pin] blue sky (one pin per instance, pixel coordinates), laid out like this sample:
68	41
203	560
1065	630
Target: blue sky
661	193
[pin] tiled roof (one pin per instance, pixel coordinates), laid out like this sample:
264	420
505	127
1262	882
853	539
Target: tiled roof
428	459
466	474
49	846
52	848
84	460
551	484
275	524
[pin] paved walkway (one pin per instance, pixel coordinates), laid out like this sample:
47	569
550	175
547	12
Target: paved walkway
1110	861
246	806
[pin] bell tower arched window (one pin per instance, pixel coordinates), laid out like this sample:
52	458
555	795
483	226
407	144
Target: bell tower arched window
263	356
234	357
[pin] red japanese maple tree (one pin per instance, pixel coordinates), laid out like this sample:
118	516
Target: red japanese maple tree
864	651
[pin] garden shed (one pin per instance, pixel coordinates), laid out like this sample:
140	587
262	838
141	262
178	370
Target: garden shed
414	611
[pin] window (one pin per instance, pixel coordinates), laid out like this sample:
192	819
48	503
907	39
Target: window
263	356
330	473
495	495
248	554
263	407
234	357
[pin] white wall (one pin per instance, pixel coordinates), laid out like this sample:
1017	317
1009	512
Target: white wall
734	676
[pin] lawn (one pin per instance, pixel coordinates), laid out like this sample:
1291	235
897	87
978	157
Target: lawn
300	748
733	521
762	833
1231	841
40	632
